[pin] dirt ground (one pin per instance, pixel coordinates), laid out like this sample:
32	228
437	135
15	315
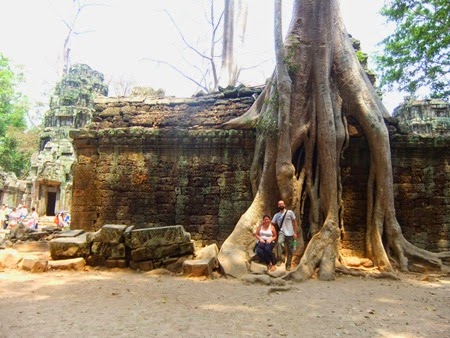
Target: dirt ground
124	303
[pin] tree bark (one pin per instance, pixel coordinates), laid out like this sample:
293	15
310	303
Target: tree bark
234	27
302	133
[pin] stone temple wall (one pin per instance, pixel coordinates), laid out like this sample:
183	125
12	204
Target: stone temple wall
166	162
421	174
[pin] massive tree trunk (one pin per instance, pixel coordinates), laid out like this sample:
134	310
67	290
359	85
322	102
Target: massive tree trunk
301	119
234	23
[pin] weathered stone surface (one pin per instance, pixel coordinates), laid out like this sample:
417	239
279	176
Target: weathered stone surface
34	265
69	233
10	258
118	251
101	249
38	235
133	265
146	266
111	233
176	264
198	268
127	235
68	264
154	250
69	247
93	236
200	173
427	117
94	260
116	263
151	237
209	252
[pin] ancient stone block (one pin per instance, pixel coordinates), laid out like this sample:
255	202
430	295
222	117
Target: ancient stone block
116	263
94	260
34	265
153	251
10	258
146	266
209	252
69	233
68	264
101	249
159	235
69	247
118	251
133	265
111	233
198	268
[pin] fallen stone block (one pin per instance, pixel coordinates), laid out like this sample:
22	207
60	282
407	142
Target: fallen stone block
175	264
133	265
93	236
146	266
10	258
94	260
69	247
38	235
68	264
69	233
154	251
118	251
174	234
34	265
198	268
111	233
208	252
116	263
101	249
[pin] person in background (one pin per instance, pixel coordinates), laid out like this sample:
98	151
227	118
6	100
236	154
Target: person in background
14	218
23	212
3	213
266	236
67	219
33	223
61	221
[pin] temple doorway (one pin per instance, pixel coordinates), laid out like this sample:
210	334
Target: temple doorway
51	203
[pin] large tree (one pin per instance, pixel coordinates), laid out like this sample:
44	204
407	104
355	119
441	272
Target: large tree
13	107
301	120
416	54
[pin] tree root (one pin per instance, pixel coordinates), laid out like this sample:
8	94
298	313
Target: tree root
360	273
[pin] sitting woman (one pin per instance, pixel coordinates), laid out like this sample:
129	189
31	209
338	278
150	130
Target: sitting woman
266	235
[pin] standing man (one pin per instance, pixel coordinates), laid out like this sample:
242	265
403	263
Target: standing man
285	221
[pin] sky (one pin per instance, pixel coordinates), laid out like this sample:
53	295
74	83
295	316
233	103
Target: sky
119	38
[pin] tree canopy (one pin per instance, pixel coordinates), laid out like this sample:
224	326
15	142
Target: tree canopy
416	54
14	154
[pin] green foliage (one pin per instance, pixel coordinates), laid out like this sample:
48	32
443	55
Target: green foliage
13	107
416	55
362	57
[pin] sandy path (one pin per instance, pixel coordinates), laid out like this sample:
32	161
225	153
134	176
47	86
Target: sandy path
123	303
